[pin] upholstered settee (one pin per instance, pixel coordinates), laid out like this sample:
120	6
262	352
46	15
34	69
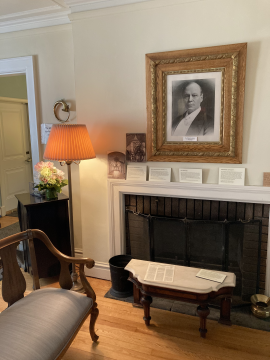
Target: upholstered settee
41	325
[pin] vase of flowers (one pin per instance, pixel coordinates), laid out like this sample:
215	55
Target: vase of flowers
51	180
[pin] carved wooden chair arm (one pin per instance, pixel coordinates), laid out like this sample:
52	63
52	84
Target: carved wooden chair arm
62	257
65	278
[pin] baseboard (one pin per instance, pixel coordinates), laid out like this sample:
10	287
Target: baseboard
78	252
3	211
101	270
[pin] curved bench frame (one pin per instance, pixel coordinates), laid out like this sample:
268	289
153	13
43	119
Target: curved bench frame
14	285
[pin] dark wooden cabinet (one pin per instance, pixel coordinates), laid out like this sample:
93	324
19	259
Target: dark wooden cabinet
52	218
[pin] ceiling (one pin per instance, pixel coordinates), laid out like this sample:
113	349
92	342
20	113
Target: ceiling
16	15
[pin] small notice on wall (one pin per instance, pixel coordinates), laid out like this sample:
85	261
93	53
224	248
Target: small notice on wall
45	132
160	174
190	176
136	173
232	176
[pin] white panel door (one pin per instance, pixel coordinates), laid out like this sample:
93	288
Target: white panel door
15	170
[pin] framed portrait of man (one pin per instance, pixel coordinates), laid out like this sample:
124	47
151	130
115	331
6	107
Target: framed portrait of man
195	104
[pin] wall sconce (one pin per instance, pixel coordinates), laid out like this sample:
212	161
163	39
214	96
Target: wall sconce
65	109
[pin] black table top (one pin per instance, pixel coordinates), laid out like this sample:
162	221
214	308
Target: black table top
30	200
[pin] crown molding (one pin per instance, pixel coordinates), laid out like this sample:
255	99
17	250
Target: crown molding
88	5
65	10
27	13
81	13
35	18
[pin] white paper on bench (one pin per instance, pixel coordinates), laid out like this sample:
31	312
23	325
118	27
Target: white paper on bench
159	273
211	275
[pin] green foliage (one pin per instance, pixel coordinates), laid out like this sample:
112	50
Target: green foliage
58	187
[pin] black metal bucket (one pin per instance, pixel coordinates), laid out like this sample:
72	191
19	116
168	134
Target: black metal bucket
121	287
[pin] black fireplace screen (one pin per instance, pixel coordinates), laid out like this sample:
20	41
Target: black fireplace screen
232	246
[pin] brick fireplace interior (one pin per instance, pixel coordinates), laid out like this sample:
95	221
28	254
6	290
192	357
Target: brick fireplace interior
244	225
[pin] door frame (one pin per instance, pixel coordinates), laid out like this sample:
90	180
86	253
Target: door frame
25	65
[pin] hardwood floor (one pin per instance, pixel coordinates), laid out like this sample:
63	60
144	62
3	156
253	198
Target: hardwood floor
171	336
8	220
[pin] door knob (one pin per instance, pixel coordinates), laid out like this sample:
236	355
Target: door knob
28	160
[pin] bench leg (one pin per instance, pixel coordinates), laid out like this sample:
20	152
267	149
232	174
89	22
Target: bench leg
225	312
136	296
146	301
93	318
203	311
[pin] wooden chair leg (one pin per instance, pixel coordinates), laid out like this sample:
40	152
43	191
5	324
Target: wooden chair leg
203	311
93	318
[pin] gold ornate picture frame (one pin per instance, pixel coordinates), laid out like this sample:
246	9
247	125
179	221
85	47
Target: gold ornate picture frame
195	101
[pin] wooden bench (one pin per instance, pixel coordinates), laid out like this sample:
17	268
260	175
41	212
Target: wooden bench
185	287
43	324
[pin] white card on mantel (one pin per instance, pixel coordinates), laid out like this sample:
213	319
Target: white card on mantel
136	173
232	176
190	176
160	174
211	275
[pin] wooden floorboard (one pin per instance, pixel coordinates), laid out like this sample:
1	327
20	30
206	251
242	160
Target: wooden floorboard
7	221
171	336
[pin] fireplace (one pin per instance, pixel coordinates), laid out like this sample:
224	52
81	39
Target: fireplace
191	201
233	246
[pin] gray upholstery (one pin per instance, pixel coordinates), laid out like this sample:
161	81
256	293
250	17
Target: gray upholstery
40	325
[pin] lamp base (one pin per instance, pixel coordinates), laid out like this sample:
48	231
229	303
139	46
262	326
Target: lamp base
77	285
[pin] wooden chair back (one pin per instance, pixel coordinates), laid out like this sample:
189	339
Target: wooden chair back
13	282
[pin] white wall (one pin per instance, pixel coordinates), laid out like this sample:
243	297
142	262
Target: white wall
52	48
110	47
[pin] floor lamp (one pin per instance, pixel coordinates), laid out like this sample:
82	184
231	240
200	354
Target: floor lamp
70	143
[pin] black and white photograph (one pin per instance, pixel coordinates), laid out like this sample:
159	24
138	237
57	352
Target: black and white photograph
136	147
116	165
193	107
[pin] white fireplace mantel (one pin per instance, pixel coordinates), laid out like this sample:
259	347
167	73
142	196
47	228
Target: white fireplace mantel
118	188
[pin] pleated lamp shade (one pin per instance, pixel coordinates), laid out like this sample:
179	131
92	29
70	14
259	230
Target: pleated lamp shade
68	142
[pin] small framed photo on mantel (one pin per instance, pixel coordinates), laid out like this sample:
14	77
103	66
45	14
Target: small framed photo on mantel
116	165
195	104
136	147
266	179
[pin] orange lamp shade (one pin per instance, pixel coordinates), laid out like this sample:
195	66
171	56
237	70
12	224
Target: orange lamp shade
69	142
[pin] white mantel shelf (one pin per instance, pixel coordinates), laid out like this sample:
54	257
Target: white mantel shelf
252	194
118	188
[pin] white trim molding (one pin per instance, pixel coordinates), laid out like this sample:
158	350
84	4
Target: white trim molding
25	65
101	270
14	100
30	21
3	210
116	204
86	5
78	252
